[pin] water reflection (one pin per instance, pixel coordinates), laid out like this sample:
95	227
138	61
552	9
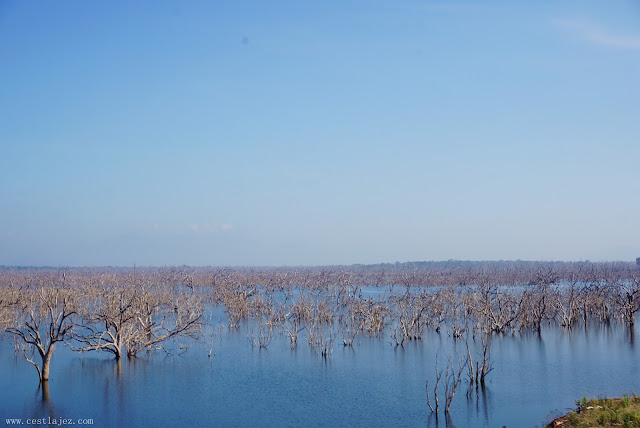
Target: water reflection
46	406
41	408
435	421
372	383
44	388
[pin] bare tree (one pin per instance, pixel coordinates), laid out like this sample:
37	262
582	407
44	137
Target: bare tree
46	319
156	326
9	298
452	377
498	309
126	317
483	371
435	391
626	293
109	320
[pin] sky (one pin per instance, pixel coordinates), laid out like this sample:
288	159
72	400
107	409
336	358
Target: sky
234	133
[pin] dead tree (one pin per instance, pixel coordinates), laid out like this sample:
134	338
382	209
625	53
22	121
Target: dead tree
566	303
46	319
498	309
435	391
9	299
452	378
180	318
109	320
626	295
410	311
293	321
131	318
351	322
487	366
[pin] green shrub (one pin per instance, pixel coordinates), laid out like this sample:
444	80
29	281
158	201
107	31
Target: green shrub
605	412
582	403
602	419
573	418
615	416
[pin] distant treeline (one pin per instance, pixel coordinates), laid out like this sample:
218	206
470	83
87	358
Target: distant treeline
420	273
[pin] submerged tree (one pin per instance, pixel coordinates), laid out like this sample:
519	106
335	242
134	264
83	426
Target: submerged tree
9	297
44	320
452	377
626	294
107	321
133	319
156	326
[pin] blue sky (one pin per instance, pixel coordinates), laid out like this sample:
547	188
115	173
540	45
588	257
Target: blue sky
334	132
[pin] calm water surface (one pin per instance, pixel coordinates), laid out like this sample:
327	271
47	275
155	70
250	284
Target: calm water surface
371	384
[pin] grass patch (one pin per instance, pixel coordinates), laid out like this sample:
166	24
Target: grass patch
602	412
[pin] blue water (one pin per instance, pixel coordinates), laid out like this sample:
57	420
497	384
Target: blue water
371	384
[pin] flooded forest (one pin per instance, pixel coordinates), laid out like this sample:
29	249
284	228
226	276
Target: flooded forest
449	314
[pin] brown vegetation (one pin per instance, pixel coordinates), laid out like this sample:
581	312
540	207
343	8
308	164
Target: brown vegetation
120	310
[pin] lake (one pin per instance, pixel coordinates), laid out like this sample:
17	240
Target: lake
372	383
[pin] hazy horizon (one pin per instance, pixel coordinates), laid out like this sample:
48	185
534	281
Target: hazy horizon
158	133
410	263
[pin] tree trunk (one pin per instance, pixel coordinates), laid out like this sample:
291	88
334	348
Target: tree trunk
46	363
117	347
